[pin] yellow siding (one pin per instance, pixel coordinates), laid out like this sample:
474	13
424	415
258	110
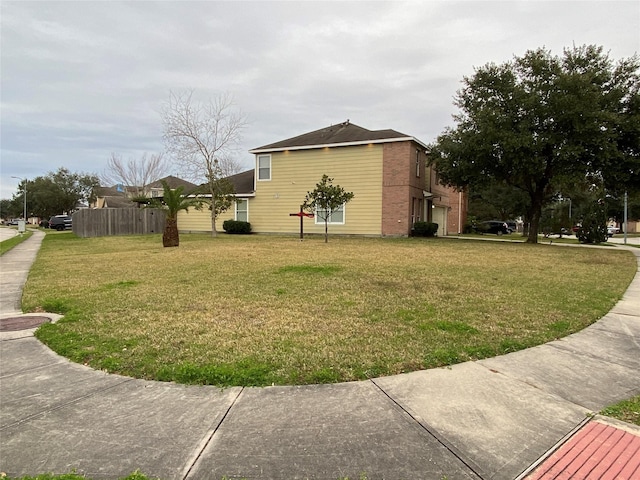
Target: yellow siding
194	220
357	169
200	221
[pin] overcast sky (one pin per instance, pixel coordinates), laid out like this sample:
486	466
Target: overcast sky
80	80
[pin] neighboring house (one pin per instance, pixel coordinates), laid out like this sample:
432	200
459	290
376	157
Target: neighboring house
111	197
119	196
386	170
156	189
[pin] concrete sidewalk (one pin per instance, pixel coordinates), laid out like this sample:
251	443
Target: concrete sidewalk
491	419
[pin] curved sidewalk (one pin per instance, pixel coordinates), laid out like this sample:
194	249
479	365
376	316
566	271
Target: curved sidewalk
492	419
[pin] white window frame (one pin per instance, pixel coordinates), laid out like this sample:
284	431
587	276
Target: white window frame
320	221
418	164
258	157
246	201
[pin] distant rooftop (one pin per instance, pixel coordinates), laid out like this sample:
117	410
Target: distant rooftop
174	182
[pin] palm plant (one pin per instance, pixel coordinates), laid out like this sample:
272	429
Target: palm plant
173	201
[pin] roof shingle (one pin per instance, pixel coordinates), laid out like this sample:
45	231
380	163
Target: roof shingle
342	133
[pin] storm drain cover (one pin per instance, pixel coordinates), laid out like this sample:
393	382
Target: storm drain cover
21	323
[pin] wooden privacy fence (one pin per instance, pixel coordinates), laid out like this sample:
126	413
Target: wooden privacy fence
101	222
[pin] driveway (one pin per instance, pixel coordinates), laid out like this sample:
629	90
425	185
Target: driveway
6	233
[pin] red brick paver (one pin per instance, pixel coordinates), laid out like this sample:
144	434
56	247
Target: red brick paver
597	452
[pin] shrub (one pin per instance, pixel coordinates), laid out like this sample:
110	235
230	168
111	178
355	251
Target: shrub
236	227
594	225
424	229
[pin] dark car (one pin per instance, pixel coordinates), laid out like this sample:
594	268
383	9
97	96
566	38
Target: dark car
493	226
60	222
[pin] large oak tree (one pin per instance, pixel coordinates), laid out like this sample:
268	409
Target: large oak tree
542	121
57	192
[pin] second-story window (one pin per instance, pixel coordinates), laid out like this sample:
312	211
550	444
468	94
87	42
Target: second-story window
417	163
264	167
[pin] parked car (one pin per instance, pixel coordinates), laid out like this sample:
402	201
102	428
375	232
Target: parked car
611	231
60	222
493	226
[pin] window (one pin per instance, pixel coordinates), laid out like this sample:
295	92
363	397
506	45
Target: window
417	163
264	167
242	210
335	217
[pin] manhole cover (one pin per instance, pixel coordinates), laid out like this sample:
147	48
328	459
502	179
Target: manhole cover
21	323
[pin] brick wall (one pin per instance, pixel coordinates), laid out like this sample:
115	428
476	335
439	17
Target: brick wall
457	212
400	186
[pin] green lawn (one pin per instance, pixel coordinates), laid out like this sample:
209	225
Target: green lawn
257	310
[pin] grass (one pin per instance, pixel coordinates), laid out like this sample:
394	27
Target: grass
8	244
133	476
627	411
71	476
261	310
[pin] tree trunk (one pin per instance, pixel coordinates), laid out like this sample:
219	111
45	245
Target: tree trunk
214	232
171	237
326	231
532	237
534	216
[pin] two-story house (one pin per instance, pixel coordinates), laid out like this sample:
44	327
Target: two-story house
385	169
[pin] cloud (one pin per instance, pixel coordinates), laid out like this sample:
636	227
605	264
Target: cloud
83	79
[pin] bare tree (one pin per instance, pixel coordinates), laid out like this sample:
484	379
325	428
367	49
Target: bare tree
203	137
135	173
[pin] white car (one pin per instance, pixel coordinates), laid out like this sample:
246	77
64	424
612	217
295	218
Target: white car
611	231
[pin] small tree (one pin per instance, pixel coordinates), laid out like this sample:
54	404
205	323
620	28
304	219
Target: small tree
173	201
222	197
325	200
203	138
594	224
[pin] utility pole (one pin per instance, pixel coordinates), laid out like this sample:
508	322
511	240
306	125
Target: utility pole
24	193
625	225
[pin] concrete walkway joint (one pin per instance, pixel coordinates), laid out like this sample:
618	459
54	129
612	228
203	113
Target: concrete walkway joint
500	418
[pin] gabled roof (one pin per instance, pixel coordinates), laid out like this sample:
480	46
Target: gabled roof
108	192
111	201
342	134
174	182
243	182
